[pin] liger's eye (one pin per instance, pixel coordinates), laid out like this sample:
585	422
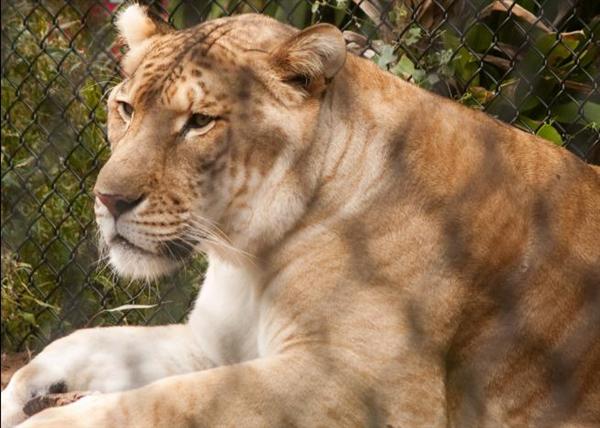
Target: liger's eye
126	110
200	123
199	120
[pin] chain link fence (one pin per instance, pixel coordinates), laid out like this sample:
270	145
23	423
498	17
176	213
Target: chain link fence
532	63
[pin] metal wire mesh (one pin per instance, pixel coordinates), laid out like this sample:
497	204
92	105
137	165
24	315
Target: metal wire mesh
531	63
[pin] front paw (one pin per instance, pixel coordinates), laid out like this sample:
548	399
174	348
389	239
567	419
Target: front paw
26	384
78	362
37	378
41	383
88	412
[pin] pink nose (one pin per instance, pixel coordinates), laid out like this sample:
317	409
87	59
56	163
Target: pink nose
118	205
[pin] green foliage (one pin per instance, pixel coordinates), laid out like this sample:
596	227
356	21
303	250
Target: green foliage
512	66
300	14
55	75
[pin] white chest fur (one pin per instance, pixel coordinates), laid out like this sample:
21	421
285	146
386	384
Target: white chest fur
225	316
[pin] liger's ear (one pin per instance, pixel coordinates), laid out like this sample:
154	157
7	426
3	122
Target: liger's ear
316	52
135	25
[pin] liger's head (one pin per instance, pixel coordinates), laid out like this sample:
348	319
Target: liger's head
204	130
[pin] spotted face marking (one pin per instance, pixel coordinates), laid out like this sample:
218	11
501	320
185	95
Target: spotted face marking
197	139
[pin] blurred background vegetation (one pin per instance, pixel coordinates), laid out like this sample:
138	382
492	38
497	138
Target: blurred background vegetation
532	63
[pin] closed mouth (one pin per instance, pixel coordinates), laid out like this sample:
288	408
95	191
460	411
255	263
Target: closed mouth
176	249
121	241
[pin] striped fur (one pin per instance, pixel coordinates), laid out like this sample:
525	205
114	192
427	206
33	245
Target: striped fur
378	256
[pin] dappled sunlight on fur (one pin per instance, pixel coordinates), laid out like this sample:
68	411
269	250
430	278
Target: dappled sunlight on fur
378	256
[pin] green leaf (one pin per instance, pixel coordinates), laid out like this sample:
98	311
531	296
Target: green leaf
479	38
557	47
451	42
406	69
570	112
386	57
550	133
412	36
28	317
567	46
529	103
541	129
591	112
527	124
466	66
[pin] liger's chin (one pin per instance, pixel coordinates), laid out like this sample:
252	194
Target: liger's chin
132	262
